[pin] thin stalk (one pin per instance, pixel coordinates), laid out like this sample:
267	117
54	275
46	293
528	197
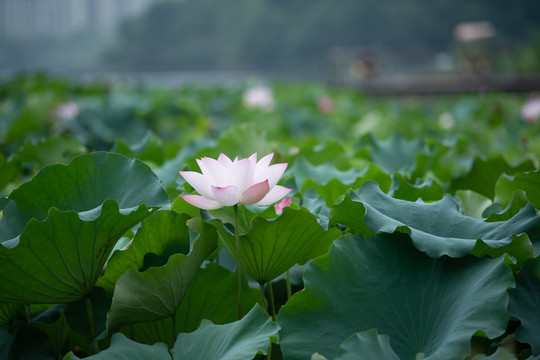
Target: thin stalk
263	296
239	261
27	313
269	357
173	327
272	305
90	314
289	288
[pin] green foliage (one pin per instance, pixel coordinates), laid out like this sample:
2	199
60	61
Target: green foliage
125	349
240	340
426	306
161	235
211	295
271	248
59	228
157	292
415	240
437	228
524	299
369	344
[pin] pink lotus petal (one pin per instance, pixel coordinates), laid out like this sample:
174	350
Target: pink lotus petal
254	193
224	159
200	162
199	182
226	195
282	204
264	162
274	195
272	173
216	172
242	174
253	159
201	202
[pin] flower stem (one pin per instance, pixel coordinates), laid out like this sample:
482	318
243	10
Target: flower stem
90	314
272	305
269	357
289	288
262	300
173	328
239	261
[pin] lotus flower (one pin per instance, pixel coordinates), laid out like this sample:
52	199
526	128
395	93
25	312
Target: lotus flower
67	111
259	97
325	104
225	182
530	112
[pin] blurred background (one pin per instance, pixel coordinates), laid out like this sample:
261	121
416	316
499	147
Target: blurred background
344	42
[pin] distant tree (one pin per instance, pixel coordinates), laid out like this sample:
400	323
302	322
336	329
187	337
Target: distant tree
281	34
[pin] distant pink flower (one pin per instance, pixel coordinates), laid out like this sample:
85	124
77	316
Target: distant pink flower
259	97
531	110
67	111
282	204
225	182
325	104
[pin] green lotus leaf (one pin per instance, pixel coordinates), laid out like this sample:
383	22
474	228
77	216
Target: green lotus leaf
62	337
272	247
332	183
333	191
8	312
395	153
496	213
51	150
124	349
246	214
526	181
426	306
157	292
351	214
212	295
484	175
11	168
321	174
368	343
427	190
316	205
28	342
499	354
525	302
437	228
150	149
59	260
83	186
162	234
76	314
442	161
472	204
240	340
330	151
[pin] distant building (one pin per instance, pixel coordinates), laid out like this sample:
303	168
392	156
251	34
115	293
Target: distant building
30	19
